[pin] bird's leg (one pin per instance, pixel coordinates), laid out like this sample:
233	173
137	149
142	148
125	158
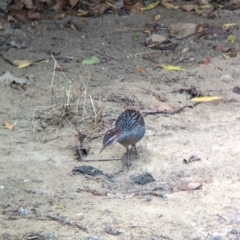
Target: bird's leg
135	149
128	156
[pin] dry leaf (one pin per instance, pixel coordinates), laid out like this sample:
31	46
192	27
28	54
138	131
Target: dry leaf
226	56
136	8
205	62
27	4
150	6
189	8
157	17
9	126
182	30
171	68
8	78
2	24
168	5
22	63
73	3
141	70
229	25
202	2
186	186
206	99
34	16
211	15
156	105
155	38
99	9
206	7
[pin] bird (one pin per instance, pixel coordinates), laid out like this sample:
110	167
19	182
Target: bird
129	129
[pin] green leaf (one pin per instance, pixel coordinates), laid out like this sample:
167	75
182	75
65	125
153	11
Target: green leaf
136	36
60	207
91	60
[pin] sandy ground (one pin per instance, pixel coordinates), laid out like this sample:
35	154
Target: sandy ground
42	199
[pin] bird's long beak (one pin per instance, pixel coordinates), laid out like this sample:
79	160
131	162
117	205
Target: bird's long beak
103	147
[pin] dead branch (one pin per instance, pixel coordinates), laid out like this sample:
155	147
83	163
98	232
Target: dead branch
92	191
168	112
67	222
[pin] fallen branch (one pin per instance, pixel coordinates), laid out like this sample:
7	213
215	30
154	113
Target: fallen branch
168	112
66	222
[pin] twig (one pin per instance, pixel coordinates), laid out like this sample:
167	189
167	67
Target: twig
102	160
51	139
93	107
94	192
168	112
108	56
66	222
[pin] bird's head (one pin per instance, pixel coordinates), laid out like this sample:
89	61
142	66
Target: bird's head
110	139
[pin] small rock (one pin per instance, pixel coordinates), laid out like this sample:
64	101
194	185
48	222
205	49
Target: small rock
142	178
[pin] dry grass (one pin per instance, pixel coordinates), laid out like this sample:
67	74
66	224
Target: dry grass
72	104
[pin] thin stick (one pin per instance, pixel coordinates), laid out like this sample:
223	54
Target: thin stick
53	76
102	160
170	112
93	105
51	139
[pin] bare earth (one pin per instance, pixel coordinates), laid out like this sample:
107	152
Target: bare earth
42	199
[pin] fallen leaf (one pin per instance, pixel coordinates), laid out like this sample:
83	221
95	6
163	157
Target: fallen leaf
99	9
169	6
141	70
156	105
155	39
229	25
91	60
2	24
205	62
136	36
11	18
8	78
157	17
111	5
222	48
211	15
81	13
60	207
27	4
226	56
9	126
186	186
182	30
203	2
189	8
206	99
232	39
34	16
73	3
205	6
136	8
150	6
22	63
171	68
